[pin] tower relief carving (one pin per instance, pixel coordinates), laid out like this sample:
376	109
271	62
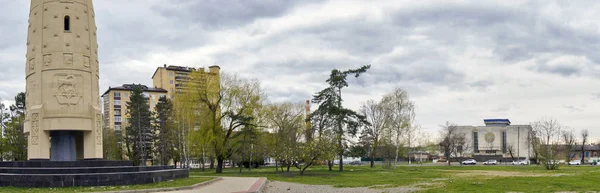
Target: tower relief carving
98	129
68	59
34	128
67	93
32	64
47	59
86	61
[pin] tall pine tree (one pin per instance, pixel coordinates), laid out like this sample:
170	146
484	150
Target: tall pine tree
139	133
164	142
330	103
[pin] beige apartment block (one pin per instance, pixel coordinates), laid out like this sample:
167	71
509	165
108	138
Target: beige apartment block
63	120
174	78
115	105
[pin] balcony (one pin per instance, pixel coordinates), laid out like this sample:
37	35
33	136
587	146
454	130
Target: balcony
181	78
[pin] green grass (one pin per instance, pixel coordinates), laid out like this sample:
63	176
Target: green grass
439	178
168	184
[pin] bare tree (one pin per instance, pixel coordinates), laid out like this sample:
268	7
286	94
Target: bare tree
377	115
511	151
453	143
411	139
584	138
548	131
568	137
402	116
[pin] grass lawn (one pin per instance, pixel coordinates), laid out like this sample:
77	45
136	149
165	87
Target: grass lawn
168	184
439	178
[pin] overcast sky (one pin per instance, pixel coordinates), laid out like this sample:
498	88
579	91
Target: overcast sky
461	61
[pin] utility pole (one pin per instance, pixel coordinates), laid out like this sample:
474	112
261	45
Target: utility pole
518	142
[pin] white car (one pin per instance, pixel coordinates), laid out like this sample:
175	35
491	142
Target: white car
575	162
469	162
519	162
490	162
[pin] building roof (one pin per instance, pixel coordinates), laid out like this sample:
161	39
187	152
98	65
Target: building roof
129	87
586	148
174	68
496	121
180	68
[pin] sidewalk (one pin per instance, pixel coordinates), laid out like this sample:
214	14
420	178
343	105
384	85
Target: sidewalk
230	185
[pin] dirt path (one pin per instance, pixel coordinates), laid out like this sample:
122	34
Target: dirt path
286	187
228	185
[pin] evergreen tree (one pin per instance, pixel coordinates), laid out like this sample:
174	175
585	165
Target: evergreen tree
330	103
4	117
139	133
16	140
164	111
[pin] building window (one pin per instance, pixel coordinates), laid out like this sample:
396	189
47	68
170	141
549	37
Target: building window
587	154
475	142
117	119
504	142
117	102
171	89
117	94
171	81
126	95
67	23
171	74
117	127
595	154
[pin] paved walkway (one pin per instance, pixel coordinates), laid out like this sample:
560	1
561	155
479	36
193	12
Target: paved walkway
229	185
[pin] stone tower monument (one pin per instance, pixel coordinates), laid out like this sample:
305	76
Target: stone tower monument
63	118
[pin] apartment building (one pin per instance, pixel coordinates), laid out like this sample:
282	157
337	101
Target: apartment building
115	108
167	80
174	78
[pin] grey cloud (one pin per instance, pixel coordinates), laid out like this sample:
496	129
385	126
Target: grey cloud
12	47
515	34
481	84
219	14
563	69
294	95
596	96
505	107
573	108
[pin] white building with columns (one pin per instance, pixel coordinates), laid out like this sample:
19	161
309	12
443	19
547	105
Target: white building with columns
498	139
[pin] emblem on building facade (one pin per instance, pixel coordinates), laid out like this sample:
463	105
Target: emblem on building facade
67	92
490	137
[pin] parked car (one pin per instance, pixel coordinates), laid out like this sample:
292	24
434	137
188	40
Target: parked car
553	162
469	162
575	162
356	163
490	162
519	162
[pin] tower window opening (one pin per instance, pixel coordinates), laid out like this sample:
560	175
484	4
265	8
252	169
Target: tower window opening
67	23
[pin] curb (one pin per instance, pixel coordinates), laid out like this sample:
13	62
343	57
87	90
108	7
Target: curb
169	189
257	187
